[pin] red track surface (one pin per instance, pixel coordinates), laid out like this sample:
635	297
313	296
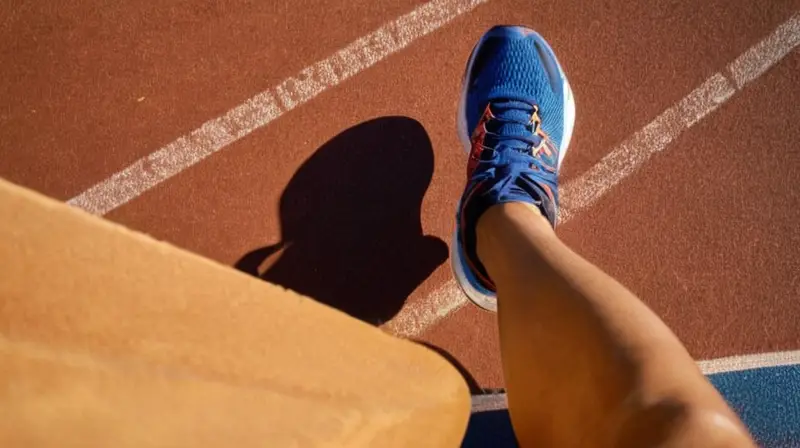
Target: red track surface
706	232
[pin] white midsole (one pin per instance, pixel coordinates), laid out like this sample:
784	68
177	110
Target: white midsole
485	301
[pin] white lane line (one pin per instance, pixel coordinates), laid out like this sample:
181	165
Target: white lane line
747	362
626	158
763	55
493	402
414	318
655	136
489	402
634	151
268	105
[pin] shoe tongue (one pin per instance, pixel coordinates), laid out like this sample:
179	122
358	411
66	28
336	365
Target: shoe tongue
514	117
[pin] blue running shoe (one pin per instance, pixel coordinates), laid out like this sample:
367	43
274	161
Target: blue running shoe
518	105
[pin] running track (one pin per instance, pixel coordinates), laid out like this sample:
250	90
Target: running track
313	144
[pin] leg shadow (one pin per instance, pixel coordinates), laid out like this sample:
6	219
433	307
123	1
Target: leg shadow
350	222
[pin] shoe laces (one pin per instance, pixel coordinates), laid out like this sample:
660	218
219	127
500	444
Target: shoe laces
517	126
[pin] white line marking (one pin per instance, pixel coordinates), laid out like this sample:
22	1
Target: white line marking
763	55
634	151
493	402
626	158
746	362
489	402
413	319
268	105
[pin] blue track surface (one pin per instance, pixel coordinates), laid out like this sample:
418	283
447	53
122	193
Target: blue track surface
767	399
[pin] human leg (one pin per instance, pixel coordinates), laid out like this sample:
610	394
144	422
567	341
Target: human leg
586	362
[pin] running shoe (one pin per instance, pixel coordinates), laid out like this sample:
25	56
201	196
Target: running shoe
515	120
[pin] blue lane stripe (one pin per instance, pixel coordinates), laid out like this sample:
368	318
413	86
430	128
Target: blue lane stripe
767	399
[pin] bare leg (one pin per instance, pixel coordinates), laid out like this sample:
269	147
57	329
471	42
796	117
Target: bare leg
586	362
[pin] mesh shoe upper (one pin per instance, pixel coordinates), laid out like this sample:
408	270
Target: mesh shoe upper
509	66
516	112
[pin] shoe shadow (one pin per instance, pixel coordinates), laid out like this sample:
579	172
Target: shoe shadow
350	222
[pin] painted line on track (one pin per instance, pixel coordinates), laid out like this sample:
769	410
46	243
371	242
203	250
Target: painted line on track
626	158
494	402
747	362
269	105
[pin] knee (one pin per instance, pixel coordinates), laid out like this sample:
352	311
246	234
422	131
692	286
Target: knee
683	425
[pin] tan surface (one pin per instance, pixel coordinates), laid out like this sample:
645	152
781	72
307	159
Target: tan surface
64	400
75	283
